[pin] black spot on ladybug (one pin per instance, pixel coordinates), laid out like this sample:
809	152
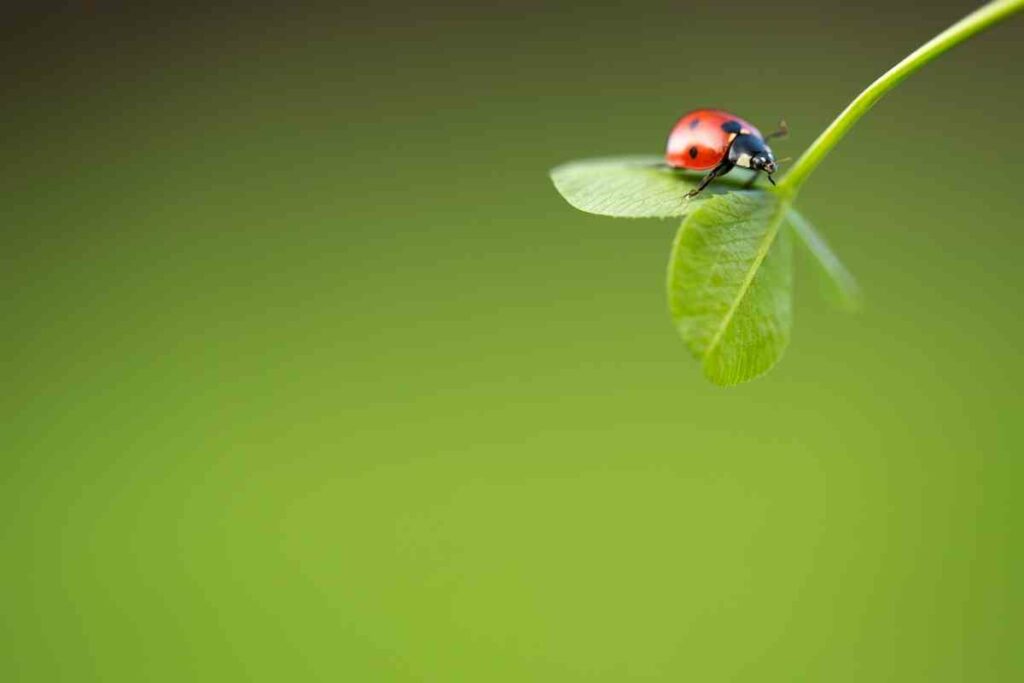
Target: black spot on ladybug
732	127
694	123
693	151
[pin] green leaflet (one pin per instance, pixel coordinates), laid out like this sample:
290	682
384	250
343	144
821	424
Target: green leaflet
633	187
730	284
841	281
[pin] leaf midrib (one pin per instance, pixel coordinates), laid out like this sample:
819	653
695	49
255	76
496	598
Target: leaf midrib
755	267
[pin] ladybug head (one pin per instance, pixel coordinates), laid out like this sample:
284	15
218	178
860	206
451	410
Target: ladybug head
764	161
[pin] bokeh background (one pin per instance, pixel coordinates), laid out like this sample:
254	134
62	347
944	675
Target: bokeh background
309	374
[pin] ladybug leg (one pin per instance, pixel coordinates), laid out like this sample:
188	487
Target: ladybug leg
721	169
782	132
753	179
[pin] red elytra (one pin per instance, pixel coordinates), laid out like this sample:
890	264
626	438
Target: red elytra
698	141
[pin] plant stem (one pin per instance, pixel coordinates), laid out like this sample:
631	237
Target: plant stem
973	23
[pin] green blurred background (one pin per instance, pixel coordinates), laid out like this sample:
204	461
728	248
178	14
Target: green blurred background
311	375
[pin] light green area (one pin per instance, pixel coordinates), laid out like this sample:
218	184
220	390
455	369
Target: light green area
311	375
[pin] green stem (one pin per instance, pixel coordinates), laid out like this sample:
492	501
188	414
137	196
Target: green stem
973	23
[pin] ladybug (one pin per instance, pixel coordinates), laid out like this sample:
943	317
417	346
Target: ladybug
713	139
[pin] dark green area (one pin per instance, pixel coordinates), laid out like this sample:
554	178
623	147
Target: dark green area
311	375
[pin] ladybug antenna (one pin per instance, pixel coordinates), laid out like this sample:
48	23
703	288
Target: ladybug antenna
782	132
784	161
